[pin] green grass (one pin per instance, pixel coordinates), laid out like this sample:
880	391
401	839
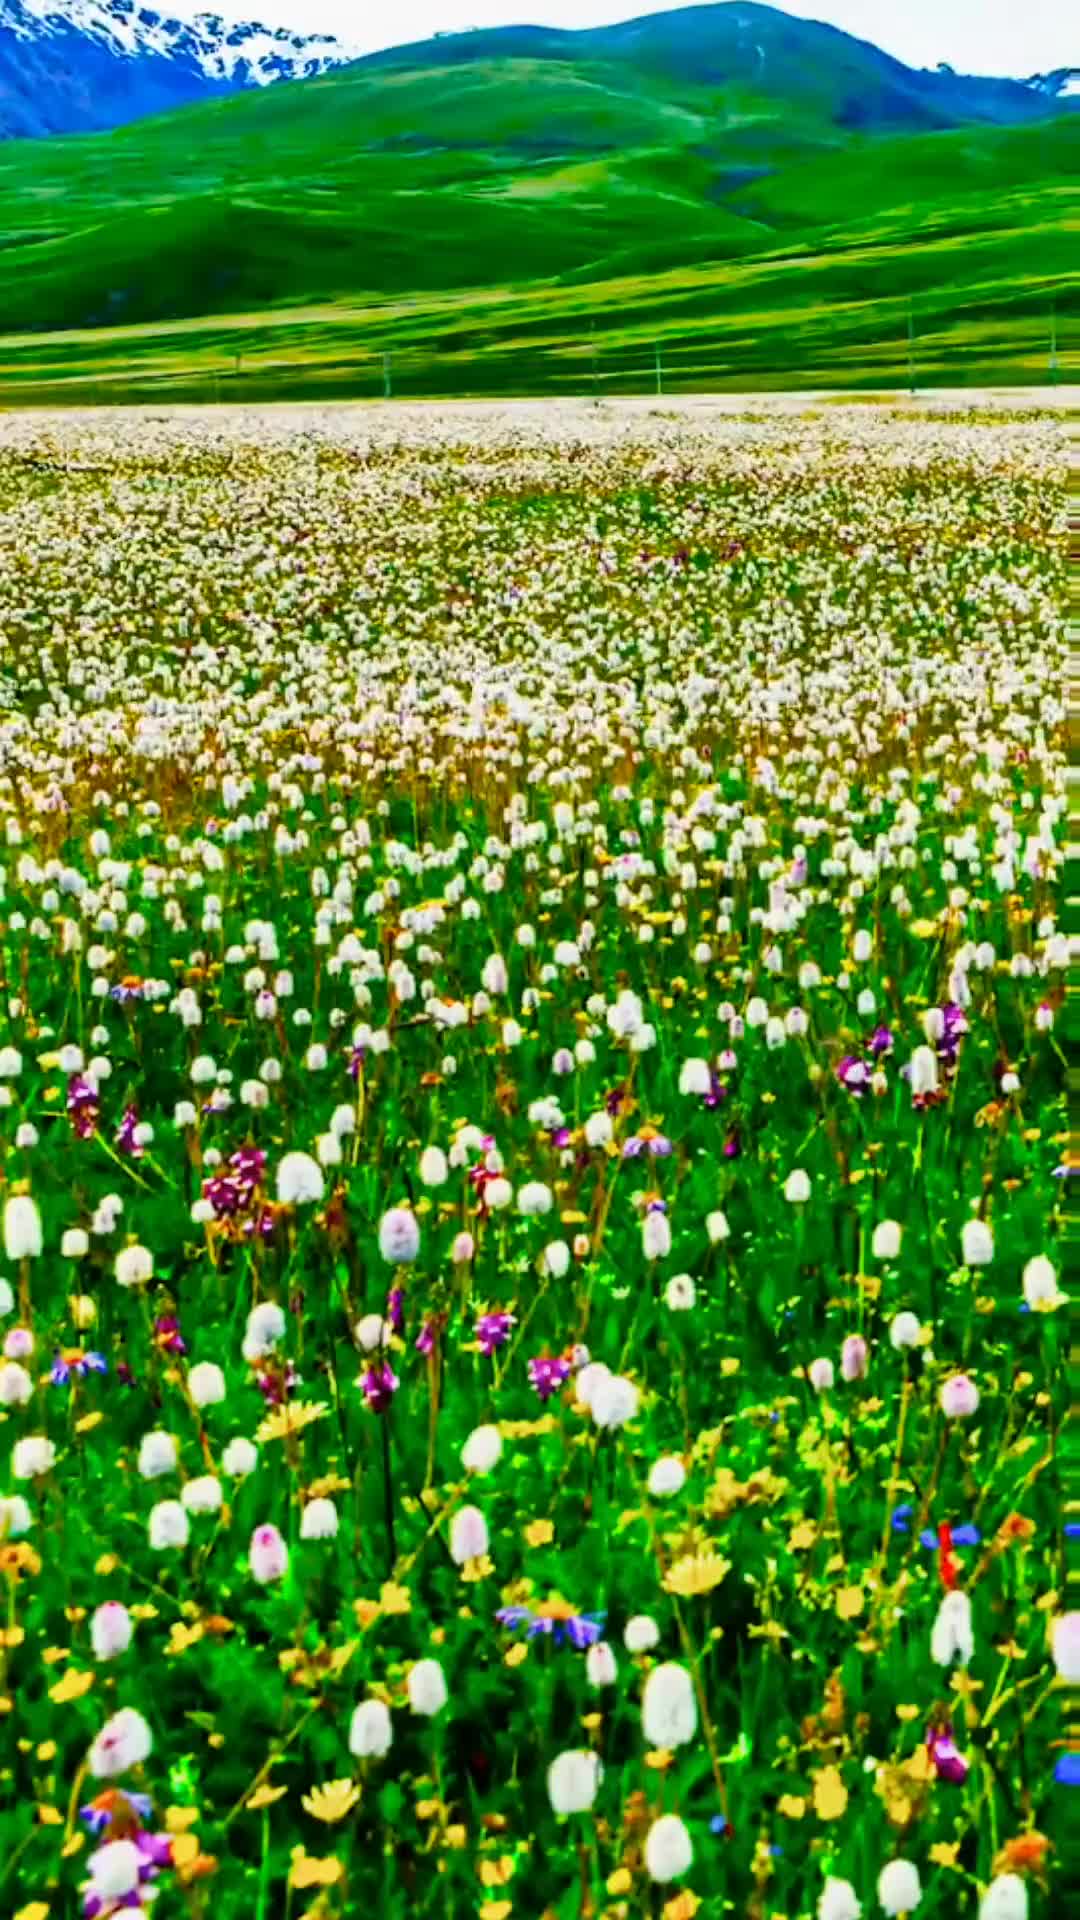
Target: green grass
501	212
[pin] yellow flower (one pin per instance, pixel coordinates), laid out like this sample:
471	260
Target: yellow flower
394	1599
332	1802
496	1909
943	1853
514	1655
478	1569
850	1602
696	1573
682	1906
36	1910
620	1881
307	1871
830	1794
291	1418
539	1533
179	1819
72	1687
265	1796
497	1873
790	1806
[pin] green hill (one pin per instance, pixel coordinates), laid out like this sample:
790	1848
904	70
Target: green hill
563	211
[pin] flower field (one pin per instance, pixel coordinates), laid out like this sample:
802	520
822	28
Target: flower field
534	1143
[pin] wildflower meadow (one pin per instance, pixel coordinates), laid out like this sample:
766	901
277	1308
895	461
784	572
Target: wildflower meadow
533	1109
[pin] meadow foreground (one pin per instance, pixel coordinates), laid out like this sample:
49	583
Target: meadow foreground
533	1147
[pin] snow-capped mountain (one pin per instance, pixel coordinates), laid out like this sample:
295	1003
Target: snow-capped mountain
72	65
1062	84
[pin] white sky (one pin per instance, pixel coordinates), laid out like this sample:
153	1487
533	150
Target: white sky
1015	37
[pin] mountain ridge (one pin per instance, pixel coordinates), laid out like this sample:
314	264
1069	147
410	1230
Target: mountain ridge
89	65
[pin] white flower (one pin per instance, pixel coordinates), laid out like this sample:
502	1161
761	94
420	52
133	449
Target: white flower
668	1849
265	1327
169	1526
299	1180
268	1555
640	1633
905	1330
16	1386
535	1198
797	1187
481	1450
426	1683
206	1384
655	1235
899	1888
1040	1283
680	1293
15	1516
498	1194
668	1708
7	1298
573	1781
157	1455
319	1520
614	1401
370	1731
124	1742
22	1228
1005	1898
202	1495
134	1266
32	1457
468	1536
495	977
977	1243
838	1901
695	1077
923	1072
668	1475
822	1375
601	1666
240	1458
886	1241
75	1244
555	1259
716	1226
434	1171
372	1332
114	1873
599	1129
111	1630
399	1236
953	1637
1065	1644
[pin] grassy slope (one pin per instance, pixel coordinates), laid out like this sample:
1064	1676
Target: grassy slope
519	223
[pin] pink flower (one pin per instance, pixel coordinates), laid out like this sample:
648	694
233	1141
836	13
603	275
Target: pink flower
959	1397
269	1556
854	1357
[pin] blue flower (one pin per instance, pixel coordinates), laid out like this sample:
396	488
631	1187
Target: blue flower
557	1621
965	1536
1067	1771
900	1518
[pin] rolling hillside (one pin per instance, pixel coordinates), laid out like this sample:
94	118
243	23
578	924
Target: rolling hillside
514	176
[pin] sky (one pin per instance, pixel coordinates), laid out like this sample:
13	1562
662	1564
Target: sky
1016	37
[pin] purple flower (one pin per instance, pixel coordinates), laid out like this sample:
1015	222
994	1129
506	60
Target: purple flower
83	1104
949	1762
167	1333
556	1621
853	1075
125	1133
379	1385
395	1308
425	1340
357	1056
881	1040
732	1147
717	1090
74	1361
493	1330
547	1374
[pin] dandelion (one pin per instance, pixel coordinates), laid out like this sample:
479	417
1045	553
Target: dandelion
1065	1643
953	1637
838	1901
899	1888
300	1181
33	1457
370	1731
797	1187
319	1520
111	1630
978	1243
666	1476
668	1707
959	1397
468	1536
399	1236
124	1742
426	1685
206	1384
22	1228
168	1528
573	1781
680	1293
668	1849
885	1244
1006	1898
